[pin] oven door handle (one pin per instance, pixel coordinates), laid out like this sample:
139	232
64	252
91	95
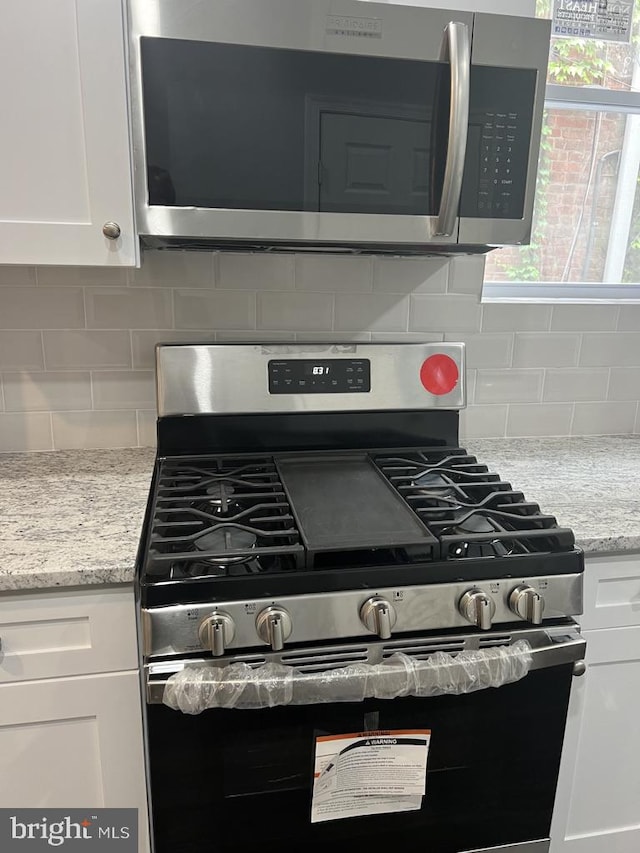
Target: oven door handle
455	50
548	647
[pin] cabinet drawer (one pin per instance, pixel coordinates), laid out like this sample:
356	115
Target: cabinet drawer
611	592
47	635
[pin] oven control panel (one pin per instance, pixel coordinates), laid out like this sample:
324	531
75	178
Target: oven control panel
332	616
318	376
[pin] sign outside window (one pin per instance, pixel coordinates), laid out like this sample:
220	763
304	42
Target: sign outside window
609	20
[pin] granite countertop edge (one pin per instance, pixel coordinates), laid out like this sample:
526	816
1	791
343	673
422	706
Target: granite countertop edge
95	501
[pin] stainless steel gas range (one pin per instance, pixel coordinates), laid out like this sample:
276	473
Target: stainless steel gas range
321	560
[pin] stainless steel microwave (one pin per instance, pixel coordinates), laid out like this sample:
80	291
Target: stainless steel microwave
334	125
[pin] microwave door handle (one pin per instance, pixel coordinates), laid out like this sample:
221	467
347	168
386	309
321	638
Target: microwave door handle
456	50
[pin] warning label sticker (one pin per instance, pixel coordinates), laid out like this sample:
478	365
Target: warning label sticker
369	773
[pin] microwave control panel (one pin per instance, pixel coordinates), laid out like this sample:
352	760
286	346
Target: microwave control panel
318	376
498	142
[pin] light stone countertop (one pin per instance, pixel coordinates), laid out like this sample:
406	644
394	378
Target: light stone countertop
73	518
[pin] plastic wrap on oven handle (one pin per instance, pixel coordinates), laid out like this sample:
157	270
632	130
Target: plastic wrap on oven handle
198	687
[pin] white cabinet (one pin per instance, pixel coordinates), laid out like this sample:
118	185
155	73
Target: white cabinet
71	732
65	164
598	800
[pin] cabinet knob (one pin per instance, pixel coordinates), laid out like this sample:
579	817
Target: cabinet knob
111	230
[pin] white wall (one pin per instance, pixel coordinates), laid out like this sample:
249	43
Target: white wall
76	344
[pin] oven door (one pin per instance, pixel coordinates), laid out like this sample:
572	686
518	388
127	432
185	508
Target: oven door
241	780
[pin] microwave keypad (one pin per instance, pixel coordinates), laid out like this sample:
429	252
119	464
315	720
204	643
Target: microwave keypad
498	142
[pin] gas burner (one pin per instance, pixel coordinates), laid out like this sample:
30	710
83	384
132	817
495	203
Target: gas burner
226	539
219	500
477	548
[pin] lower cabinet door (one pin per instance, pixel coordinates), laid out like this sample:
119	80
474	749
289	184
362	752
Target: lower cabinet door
74	743
598	800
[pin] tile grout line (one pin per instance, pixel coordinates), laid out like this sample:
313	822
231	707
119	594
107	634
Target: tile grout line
572	418
42	350
608	386
51	436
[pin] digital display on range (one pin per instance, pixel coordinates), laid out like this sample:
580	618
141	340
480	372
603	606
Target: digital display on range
317	376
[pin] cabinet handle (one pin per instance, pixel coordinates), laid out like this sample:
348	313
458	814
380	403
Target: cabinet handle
111	230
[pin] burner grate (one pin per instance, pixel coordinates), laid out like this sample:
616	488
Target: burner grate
219	516
470	510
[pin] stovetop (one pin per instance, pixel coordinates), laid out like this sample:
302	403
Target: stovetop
238	526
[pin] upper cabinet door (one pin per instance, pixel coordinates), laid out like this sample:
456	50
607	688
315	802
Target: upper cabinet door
65	168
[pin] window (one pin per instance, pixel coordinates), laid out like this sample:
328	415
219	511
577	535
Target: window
586	227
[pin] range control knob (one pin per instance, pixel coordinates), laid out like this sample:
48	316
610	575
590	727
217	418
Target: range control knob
527	603
378	616
274	627
477	607
216	632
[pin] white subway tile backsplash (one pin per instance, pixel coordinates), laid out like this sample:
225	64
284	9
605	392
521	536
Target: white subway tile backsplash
86	430
407	337
624	383
471	377
174	269
70	350
530	419
584	318
509	386
485	350
29	391
25	431
82	276
610	349
483	422
444	314
410	275
123	389
629	319
333	273
245	271
214	309
128	308
143	343
147	420
466	273
575	384
637	426
64	323
533	349
252	336
603	418
332	337
21	350
515	317
378	312
36	308
17	276
295	311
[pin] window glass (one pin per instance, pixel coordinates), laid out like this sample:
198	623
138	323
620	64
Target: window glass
587	211
586	226
591	62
